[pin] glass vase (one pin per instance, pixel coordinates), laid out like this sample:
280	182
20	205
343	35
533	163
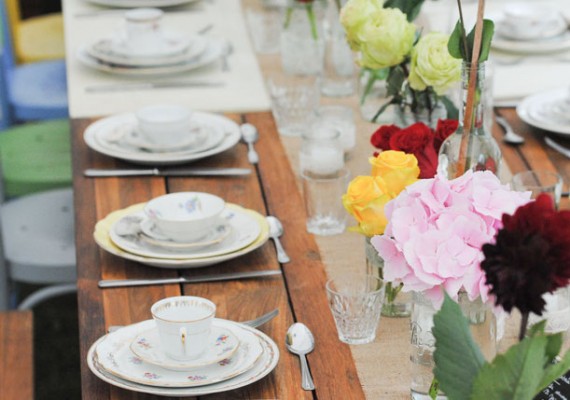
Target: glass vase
482	323
303	37
373	96
478	151
396	303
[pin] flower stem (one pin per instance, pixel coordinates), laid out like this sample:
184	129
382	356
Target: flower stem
312	21
288	14
524	323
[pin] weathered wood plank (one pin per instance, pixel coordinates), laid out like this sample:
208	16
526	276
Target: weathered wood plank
16	355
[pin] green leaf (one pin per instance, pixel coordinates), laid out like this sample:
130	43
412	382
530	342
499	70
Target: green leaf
452	111
395	80
456	46
554	371
457	357
536	329
409	7
433	389
455	42
515	375
553	347
488	31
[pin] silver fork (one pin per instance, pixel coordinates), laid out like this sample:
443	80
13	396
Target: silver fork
253	323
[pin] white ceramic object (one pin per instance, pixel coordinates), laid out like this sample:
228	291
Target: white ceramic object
244	230
536	110
215	49
140	3
104	137
143	32
184	324
221	345
150	235
185	216
166	125
524	21
114	355
252	369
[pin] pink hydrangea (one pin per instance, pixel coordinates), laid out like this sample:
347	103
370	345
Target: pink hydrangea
436	230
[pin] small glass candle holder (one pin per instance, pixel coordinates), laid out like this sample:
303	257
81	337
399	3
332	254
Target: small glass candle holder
321	152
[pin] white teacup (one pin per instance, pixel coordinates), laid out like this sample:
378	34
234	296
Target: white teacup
185	216
144	36
184	325
166	125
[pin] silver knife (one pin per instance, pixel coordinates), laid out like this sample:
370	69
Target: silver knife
150	85
94	172
197	279
558	147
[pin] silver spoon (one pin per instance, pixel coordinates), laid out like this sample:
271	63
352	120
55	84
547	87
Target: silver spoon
250	135
510	136
275	231
299	340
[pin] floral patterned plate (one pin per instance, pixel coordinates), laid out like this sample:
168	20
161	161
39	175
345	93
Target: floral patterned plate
263	366
114	355
222	344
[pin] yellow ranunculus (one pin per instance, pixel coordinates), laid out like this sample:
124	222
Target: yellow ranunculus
432	65
385	38
365	199
353	15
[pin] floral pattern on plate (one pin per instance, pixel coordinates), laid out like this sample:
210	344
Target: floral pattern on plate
223	343
150	234
244	231
115	356
263	366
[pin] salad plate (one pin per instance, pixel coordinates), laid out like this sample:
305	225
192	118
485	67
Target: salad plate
214	51
182	49
244	230
103	239
540	110
107	135
222	344
115	356
266	362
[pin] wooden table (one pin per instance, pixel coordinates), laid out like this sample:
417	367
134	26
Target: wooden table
299	294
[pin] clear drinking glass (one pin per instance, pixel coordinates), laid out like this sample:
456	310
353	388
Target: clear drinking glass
294	100
342	118
355	301
538	182
264	24
323	202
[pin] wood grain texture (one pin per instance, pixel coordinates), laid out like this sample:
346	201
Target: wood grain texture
16	355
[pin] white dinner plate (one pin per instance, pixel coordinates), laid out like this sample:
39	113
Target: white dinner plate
534	111
245	230
114	354
214	50
222	345
140	3
266	363
538	46
103	239
96	136
187	49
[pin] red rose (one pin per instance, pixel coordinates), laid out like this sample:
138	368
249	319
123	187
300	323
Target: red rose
381	138
417	139
445	127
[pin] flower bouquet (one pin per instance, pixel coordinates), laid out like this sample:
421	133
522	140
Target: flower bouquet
365	199
528	257
418	70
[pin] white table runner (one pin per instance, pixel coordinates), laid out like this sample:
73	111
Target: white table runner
243	88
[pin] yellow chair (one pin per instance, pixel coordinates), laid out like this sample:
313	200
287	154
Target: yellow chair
37	38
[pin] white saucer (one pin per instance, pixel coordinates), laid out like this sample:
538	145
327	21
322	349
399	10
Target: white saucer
141	3
244	231
551	30
195	140
536	110
104	50
537	46
223	343
150	234
221	134
172	44
114	355
263	366
103	240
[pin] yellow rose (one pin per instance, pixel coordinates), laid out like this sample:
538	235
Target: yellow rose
432	65
397	170
365	199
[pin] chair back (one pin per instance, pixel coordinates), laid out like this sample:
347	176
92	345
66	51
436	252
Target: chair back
6	62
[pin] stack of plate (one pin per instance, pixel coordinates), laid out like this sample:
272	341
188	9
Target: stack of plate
141	3
131	358
117	136
548	110
129	234
179	53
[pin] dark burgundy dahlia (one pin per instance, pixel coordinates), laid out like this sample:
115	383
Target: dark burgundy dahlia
531	256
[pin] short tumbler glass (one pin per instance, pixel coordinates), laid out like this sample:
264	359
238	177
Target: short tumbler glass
355	301
538	182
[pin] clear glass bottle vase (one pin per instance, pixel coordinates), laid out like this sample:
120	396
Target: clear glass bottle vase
303	37
478	151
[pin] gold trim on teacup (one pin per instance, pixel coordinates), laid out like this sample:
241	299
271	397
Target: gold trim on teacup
184	301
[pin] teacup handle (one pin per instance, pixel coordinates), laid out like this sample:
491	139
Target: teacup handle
183	336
